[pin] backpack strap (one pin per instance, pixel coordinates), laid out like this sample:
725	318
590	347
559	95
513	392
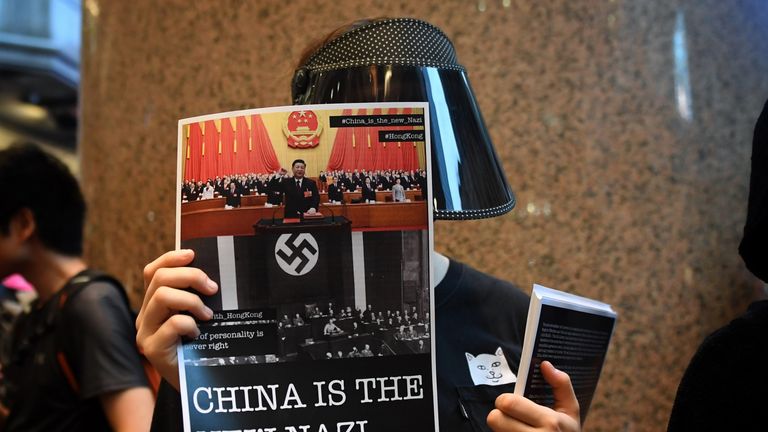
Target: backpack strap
72	289
85	278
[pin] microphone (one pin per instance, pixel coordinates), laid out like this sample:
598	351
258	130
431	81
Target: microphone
277	207
343	205
333	214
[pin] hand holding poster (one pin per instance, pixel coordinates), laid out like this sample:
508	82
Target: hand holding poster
320	323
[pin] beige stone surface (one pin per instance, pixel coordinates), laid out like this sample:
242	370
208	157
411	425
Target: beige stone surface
622	195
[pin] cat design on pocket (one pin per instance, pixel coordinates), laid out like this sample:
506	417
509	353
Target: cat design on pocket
490	369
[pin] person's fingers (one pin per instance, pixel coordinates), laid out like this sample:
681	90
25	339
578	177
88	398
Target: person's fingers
498	421
176	258
168	335
562	390
168	301
523	409
179	278
160	347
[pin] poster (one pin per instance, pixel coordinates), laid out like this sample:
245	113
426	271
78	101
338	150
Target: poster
315	221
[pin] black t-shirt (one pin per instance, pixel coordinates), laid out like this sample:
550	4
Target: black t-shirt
95	332
724	387
476	314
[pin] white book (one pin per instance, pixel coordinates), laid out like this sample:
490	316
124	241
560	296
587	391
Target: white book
572	333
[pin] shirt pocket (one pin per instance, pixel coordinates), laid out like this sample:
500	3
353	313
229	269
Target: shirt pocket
476	402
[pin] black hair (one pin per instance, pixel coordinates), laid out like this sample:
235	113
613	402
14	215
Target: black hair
755	241
33	179
301	161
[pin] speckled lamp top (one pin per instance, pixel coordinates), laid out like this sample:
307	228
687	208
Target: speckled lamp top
399	41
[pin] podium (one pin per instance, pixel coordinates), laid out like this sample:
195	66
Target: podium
305	262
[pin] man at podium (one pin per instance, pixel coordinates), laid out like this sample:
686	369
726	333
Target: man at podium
301	195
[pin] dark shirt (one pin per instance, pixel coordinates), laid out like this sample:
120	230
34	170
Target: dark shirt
233	198
335	194
95	331
275	191
476	314
300	199
423	184
724	387
369	193
349	184
261	187
193	194
242	188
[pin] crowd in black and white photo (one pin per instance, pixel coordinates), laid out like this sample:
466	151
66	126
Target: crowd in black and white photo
334	332
354	332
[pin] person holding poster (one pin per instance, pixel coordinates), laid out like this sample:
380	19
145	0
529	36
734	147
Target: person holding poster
476	315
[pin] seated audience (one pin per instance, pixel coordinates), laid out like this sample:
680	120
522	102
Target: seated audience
298	320
331	328
366	352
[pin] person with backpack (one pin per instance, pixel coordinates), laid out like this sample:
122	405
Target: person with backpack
74	365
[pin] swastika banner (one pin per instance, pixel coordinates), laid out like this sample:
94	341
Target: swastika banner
306	261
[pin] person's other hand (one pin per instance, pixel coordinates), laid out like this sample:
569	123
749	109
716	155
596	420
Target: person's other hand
311	210
517	413
168	309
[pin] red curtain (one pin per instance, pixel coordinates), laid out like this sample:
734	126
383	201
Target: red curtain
239	148
242	145
369	150
410	155
342	147
397	159
226	166
236	149
384	159
366	152
262	158
361	142
194	148
208	163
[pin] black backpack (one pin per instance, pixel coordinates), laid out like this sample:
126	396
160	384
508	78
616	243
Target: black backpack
24	338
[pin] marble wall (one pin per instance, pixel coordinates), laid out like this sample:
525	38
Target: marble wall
625	130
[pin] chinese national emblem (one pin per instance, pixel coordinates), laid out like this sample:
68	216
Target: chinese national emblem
302	129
